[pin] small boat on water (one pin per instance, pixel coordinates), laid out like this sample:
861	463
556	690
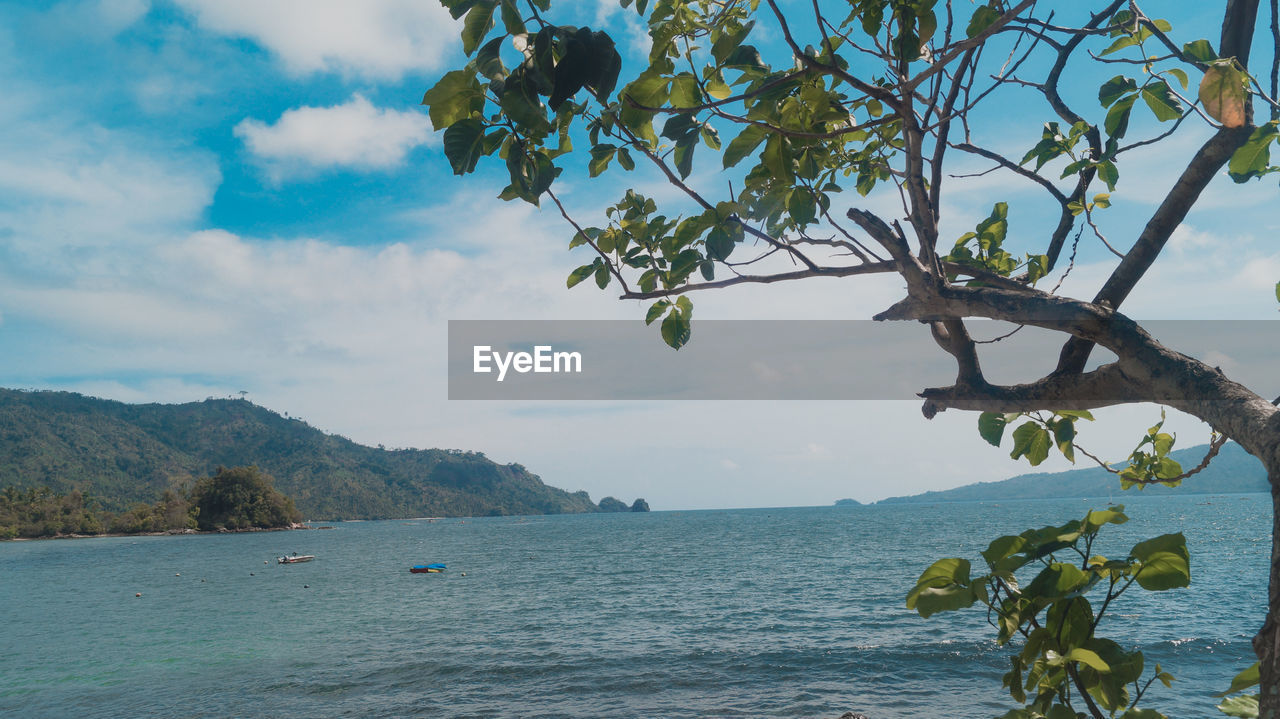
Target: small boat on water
427	568
295	558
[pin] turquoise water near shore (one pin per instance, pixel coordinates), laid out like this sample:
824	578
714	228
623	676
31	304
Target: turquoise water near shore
792	612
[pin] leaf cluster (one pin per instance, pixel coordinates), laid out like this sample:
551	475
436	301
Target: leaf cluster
984	249
1063	665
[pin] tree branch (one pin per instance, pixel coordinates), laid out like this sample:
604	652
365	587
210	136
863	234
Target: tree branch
871	269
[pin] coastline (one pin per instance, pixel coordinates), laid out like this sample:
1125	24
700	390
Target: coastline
167	533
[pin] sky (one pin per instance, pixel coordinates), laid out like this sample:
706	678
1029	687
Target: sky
203	197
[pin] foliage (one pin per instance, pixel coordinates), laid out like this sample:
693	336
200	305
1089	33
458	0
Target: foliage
172	512
875	99
1242	705
39	512
1064	667
1149	463
241	498
804	127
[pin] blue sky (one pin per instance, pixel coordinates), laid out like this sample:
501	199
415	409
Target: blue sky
199	197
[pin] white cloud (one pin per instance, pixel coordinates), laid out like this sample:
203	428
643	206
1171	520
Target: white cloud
355	134
381	39
83	197
120	14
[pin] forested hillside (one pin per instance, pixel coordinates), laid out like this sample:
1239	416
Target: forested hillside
1232	471
120	454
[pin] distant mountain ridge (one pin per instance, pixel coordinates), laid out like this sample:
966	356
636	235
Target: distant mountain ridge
122	454
1233	471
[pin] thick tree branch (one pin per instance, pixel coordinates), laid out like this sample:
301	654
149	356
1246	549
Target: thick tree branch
1204	166
1104	387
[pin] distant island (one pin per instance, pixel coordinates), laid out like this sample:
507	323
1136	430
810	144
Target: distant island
1233	471
117	456
848	503
613	504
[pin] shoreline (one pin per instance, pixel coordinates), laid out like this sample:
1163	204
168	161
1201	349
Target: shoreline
166	533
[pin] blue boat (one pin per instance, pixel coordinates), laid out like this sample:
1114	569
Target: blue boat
427	568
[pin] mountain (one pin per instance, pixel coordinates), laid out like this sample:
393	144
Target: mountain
1232	471
122	454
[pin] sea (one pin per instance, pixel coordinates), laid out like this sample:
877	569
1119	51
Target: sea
795	612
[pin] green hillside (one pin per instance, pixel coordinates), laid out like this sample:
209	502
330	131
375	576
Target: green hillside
1233	471
121	454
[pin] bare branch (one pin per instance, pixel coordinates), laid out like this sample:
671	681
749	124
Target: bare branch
871	269
964	46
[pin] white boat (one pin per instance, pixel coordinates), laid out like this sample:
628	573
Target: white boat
295	558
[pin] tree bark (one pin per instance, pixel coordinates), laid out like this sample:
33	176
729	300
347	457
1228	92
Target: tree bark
1267	643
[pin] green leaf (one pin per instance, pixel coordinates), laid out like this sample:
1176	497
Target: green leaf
944	586
1109	173
801	205
455	97
991	426
745	56
729	40
511	18
478	24
1056	581
1114	88
1126	667
1032	441
488	61
520	101
579	275
777	158
1096	518
601	155
716	86
1245	679
464	145
1241	706
1117	121
742	145
685	91
1088	658
683	155
982	19
675	330
1253	158
1165	562
710	137
1200	50
1128	41
1162	102
606	65
1064	434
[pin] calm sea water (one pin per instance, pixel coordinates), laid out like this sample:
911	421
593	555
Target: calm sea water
780	613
